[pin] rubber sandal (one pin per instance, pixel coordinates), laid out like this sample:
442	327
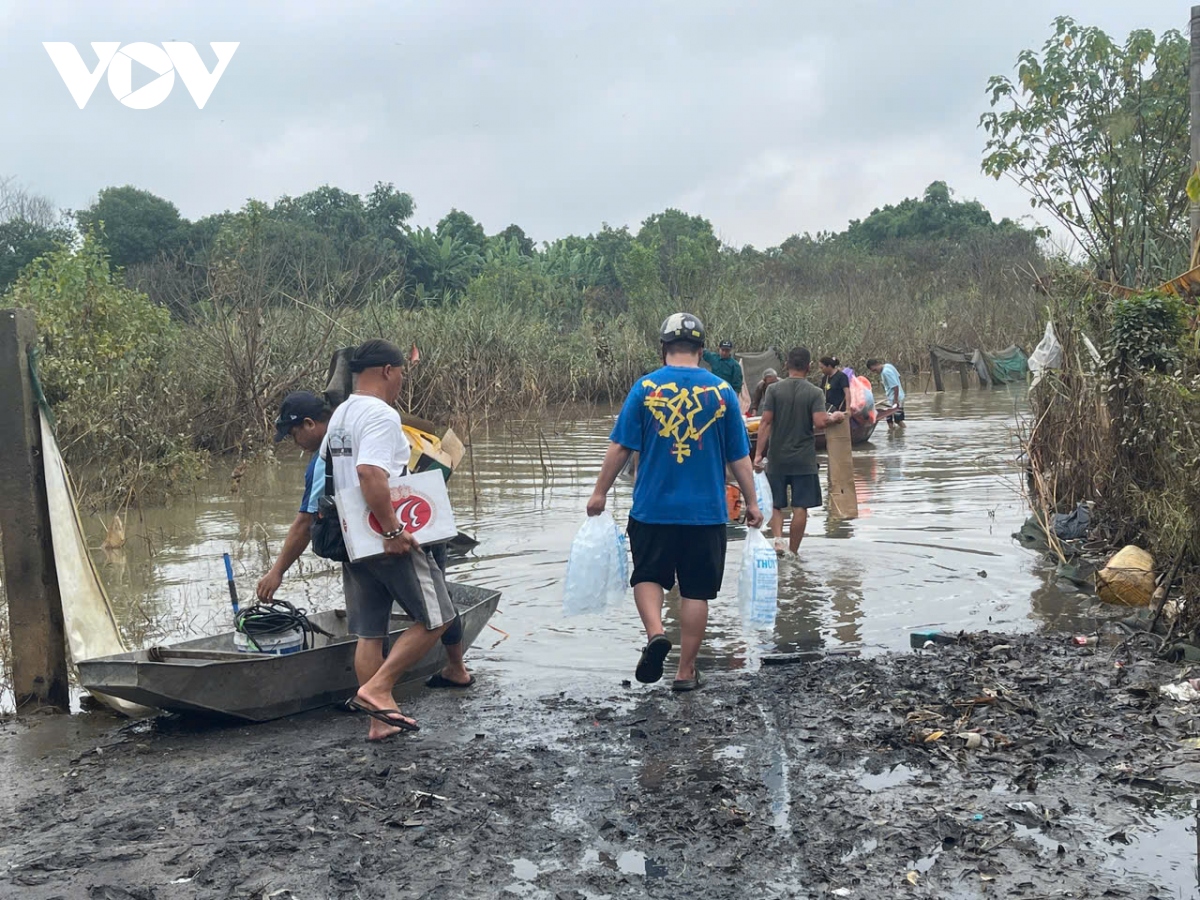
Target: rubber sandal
392	717
650	666
682	685
438	680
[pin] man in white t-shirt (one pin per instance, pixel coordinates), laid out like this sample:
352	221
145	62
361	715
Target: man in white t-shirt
367	446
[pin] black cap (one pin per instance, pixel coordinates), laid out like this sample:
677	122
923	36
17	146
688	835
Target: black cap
726	345
374	353
295	408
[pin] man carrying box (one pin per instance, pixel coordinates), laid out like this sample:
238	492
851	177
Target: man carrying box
366	446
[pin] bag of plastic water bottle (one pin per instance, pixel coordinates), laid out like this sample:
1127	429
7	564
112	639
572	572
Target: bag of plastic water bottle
758	586
762	491
597	569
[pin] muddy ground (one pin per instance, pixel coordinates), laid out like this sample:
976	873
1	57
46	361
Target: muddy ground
842	777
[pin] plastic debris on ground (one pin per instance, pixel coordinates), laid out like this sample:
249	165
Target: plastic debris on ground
1183	691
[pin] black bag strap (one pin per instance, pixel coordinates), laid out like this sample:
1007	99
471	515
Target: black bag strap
328	492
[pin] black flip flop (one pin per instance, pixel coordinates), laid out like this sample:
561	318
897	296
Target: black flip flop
386	716
682	685
650	666
438	680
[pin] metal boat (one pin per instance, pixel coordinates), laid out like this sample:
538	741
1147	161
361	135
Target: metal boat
210	677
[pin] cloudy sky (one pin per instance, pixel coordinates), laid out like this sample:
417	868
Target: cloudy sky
769	118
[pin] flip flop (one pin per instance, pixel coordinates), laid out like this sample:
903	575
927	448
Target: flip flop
392	717
438	680
682	685
650	666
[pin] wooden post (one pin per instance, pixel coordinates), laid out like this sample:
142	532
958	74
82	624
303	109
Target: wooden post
936	368
963	376
1194	83
843	500
35	616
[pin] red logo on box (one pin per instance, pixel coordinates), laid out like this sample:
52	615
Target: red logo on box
413	512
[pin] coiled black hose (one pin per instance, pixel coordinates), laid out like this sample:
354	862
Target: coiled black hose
273	618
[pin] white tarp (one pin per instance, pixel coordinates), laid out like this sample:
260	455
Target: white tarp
88	616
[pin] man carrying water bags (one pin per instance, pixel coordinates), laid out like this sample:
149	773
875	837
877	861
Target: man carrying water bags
686	425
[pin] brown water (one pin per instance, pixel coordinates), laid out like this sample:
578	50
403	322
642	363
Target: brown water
932	548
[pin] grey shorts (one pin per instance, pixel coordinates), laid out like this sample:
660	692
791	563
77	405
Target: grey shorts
414	581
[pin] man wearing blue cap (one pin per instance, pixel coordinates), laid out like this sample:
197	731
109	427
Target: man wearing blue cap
304	417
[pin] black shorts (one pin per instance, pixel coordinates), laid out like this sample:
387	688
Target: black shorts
805	490
897	416
695	554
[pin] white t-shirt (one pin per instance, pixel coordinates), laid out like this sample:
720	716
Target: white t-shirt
365	431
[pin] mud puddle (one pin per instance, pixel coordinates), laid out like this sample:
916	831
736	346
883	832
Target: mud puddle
847	777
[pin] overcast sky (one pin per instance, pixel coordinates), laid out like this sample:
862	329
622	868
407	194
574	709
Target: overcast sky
769	118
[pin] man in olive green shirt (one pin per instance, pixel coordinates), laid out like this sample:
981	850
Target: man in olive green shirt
725	367
792	411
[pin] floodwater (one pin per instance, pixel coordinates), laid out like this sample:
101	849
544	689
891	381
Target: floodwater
931	548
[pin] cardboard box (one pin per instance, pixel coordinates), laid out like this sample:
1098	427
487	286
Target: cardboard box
453	448
422	505
429	452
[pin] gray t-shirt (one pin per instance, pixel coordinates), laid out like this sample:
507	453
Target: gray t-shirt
791	449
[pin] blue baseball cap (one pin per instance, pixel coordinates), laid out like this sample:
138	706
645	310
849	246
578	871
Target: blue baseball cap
295	408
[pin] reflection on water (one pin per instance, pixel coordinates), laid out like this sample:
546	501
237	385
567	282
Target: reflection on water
931	548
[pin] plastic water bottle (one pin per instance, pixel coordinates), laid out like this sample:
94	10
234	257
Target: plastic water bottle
758	587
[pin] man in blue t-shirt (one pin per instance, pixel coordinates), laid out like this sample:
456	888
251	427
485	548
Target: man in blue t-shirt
892	389
304	417
686	426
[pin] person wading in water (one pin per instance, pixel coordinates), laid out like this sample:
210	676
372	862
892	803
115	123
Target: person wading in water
792	411
686	425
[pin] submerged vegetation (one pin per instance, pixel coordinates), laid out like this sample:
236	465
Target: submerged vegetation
165	340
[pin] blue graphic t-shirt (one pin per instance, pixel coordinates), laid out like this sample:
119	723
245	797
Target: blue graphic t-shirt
686	424
314	484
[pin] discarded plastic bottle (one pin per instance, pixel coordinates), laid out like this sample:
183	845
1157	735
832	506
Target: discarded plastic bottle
918	639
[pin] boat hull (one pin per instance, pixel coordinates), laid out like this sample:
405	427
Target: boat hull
860	433
258	688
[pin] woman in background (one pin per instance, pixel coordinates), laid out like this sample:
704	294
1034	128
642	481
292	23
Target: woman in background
835	383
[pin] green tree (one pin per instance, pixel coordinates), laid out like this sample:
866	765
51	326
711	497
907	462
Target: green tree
462	228
95	332
441	266
515	234
1097	133
21	242
133	225
688	251
388	210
